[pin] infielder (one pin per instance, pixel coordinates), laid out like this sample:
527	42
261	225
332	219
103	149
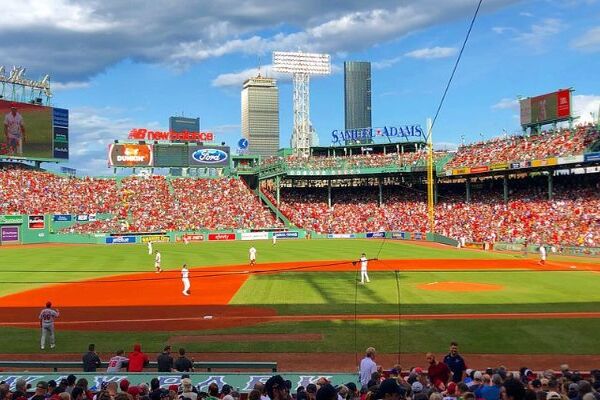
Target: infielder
274	239
157	262
363	269
149	248
542	254
252	254
186	280
47	317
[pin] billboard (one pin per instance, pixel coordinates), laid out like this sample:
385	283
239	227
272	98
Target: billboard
166	155
130	155
208	156
9	234
546	108
27	131
120	239
36	222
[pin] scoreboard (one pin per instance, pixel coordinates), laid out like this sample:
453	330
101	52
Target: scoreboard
170	155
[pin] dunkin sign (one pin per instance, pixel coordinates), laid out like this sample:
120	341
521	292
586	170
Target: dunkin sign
130	155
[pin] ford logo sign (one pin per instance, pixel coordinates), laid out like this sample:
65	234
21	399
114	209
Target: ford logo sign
210	156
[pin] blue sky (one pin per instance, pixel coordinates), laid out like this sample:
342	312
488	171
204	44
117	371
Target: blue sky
118	65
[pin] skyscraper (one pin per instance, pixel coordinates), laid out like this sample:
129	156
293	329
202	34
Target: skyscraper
357	95
260	115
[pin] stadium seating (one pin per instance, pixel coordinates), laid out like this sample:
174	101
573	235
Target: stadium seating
559	143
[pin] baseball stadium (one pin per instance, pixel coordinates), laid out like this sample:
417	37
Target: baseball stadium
380	249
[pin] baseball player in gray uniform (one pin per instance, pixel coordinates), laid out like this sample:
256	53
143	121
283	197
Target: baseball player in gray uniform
47	317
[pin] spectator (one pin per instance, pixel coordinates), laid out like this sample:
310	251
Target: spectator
326	392
137	359
455	363
187	390
164	360
124	385
213	391
71	379
277	388
184	364
437	372
117	362
91	360
41	390
367	366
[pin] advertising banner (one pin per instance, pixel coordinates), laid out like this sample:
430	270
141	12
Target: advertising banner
570	159
120	239
478	170
28	130
244	381
341	236
9	234
208	156
83	217
60	133
591	157
36	222
255	235
375	235
62	217
172	155
286	235
154	238
522	164
221	236
190	237
461	171
400	235
544	162
478	246
130	155
498	166
11	219
419	236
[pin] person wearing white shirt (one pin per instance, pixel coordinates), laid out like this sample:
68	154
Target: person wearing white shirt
186	280
367	367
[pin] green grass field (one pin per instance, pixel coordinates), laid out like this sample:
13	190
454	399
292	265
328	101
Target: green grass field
313	293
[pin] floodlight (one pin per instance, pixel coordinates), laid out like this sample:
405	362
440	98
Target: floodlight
301	66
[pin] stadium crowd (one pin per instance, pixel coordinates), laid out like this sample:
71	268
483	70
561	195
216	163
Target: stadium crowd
137	204
559	143
446	379
572	217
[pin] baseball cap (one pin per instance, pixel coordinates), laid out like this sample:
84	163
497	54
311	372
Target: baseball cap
13	105
164	393
48	304
388	386
351	386
133	390
417	387
418	370
124	385
574	386
478	375
553	396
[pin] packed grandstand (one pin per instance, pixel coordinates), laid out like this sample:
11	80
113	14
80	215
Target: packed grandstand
566	214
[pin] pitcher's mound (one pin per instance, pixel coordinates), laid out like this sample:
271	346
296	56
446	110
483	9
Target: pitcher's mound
460	286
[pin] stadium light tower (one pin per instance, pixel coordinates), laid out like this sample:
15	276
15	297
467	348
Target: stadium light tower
301	66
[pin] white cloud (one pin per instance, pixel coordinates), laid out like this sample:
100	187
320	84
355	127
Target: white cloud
432	52
58	86
506	104
500	30
589	41
446	146
540	32
387	63
238	78
526	14
586	107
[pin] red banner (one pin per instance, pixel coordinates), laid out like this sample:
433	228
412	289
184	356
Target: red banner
221	236
477	170
564	103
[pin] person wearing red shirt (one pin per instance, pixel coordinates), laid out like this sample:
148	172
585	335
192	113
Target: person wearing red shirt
438	372
137	359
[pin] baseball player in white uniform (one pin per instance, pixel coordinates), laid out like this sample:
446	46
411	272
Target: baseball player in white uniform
274	239
185	273
47	317
542	254
252	254
14	130
157	262
149	248
363	269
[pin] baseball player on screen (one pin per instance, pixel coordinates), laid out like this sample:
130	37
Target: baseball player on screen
47	317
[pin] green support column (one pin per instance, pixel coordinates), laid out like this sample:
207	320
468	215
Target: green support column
550	185
505	185
468	184
277	187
